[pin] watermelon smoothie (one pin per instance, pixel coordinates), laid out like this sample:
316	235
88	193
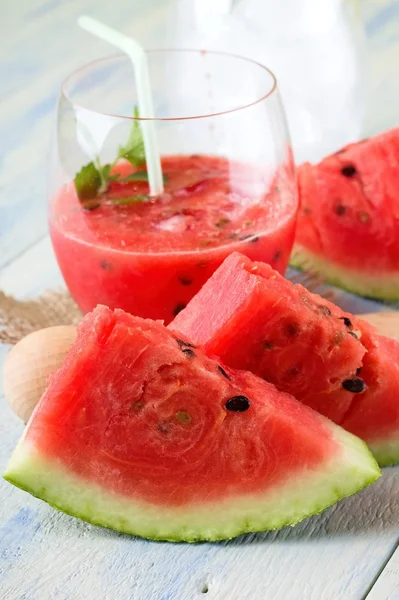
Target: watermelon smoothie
151	256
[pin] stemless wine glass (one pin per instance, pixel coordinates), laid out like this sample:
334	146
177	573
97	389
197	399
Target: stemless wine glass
229	180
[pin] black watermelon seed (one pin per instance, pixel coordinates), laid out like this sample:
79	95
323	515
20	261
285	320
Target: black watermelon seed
348	170
340	209
178	308
188	352
223	372
354	385
268	346
353	335
183	344
294	371
347	322
292	329
324	310
358	370
104	264
277	255
238	404
185	280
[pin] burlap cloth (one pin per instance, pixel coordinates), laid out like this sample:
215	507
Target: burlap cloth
20	317
56	307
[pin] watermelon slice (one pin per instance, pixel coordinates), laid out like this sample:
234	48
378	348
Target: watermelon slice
139	431
348	221
254	319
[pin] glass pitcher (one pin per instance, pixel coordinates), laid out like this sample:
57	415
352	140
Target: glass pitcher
315	48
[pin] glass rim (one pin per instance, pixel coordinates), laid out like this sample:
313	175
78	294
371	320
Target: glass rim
270	92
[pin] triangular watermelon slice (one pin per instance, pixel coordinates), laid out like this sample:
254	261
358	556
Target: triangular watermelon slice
139	431
254	319
348	221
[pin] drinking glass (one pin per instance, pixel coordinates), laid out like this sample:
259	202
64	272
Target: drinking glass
229	179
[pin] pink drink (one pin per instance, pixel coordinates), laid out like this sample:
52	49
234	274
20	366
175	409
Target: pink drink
150	257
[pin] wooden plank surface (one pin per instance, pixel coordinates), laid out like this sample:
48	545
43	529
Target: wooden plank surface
45	555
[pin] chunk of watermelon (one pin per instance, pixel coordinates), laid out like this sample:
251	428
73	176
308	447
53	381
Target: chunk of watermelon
253	318
141	432
374	415
348	221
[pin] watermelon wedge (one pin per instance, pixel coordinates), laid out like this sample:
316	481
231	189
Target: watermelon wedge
348	221
139	431
254	319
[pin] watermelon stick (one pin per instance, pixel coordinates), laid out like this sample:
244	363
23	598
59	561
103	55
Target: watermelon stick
136	53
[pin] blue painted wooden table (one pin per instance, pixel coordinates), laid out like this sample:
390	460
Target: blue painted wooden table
47	555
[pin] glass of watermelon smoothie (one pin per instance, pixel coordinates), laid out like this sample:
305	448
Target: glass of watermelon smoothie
229	180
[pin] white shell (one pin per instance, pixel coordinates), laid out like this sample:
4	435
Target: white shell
29	365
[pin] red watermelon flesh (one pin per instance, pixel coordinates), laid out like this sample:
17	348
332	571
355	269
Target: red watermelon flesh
348	221
374	415
253	318
141	432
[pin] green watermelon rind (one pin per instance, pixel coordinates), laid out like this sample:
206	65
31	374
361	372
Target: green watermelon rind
381	286
312	491
386	451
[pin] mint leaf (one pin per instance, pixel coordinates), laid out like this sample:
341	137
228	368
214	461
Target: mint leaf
105	173
106	178
140	176
135	156
87	182
133	150
93	179
130	199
